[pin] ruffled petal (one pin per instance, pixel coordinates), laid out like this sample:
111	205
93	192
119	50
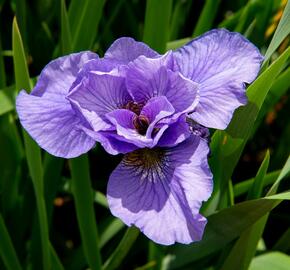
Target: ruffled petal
221	62
147	78
57	76
52	123
160	191
98	94
176	133
125	50
156	109
47	115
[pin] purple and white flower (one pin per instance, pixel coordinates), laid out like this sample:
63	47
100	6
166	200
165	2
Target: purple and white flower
151	108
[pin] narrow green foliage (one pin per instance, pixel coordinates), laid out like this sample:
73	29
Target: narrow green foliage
156	254
283	30
284	172
244	186
206	18
83	196
271	261
172	45
115	226
84	17
255	191
6	99
122	249
7	252
65	42
32	150
156	27
223	227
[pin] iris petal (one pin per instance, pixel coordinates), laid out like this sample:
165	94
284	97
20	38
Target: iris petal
47	115
221	62
160	191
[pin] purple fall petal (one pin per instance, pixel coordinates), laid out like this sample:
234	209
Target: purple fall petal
161	190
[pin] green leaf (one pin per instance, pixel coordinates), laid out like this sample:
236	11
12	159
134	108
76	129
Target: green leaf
65	42
6	99
122	249
84	17
111	229
32	150
284	172
244	186
271	261
223	227
83	196
172	45
206	18
7	251
256	189
156	28
281	32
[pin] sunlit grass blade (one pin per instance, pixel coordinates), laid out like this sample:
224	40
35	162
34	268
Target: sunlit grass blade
101	199
222	228
284	172
156	26
32	150
281	32
255	191
172	45
271	261
83	196
65	42
244	186
112	228
6	100
244	249
84	17
122	249
206	17
278	89
7	252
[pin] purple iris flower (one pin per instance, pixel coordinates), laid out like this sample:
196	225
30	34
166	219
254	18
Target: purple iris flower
155	109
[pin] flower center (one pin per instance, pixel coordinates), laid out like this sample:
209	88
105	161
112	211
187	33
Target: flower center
145	158
134	107
141	123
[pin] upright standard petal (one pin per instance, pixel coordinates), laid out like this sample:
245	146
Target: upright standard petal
98	94
147	78
47	115
221	62
125	50
160	191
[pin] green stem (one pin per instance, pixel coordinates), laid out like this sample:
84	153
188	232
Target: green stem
122	249
7	251
83	196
